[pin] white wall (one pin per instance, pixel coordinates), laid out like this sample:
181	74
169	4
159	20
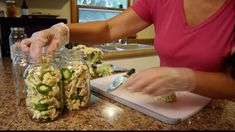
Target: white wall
147	33
2	6
53	7
139	63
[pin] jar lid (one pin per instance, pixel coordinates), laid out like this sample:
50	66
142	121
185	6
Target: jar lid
17	29
10	1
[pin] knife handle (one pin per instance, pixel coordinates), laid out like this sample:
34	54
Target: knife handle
131	71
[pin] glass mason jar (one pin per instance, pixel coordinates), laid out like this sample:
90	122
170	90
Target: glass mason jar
44	94
76	79
11	8
19	65
16	35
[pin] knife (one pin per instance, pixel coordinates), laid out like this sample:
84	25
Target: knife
119	80
117	69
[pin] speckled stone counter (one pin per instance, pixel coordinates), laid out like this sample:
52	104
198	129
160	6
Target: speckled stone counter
106	114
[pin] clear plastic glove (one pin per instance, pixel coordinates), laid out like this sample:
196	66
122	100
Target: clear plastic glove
55	37
161	81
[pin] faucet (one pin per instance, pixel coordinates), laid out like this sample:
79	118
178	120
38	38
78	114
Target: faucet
123	41
118	41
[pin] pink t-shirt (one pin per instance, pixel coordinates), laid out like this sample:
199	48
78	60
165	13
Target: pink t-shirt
201	47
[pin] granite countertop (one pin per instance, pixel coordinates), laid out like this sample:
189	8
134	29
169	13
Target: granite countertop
218	115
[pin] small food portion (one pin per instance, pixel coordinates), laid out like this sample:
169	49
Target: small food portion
76	81
43	92
93	58
167	98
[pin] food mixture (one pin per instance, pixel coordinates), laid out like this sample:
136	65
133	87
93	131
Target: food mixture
76	81
167	98
44	84
43	92
93	58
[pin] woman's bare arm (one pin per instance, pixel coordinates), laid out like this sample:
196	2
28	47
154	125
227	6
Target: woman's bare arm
125	24
215	85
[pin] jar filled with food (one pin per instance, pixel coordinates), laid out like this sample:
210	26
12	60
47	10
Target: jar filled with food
11	8
44	95
76	79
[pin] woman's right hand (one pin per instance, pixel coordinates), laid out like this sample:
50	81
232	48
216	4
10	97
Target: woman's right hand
55	37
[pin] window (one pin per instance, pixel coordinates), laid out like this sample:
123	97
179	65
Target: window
89	14
104	3
96	10
93	10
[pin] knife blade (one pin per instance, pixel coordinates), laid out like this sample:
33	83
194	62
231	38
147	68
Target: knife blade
117	69
120	80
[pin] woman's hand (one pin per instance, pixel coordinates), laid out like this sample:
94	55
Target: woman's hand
161	81
54	37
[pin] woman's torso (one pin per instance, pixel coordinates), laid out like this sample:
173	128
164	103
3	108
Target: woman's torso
200	46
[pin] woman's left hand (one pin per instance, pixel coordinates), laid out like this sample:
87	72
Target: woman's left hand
161	81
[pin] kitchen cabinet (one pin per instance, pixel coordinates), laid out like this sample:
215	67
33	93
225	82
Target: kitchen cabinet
31	25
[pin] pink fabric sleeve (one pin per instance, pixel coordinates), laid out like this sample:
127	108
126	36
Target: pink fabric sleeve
142	9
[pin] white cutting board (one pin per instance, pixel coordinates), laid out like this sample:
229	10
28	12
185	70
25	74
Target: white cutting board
187	103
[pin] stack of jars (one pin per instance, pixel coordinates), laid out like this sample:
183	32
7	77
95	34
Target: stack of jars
54	82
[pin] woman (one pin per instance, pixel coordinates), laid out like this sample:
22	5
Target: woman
192	39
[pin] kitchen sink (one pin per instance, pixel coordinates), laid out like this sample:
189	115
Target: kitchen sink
123	47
